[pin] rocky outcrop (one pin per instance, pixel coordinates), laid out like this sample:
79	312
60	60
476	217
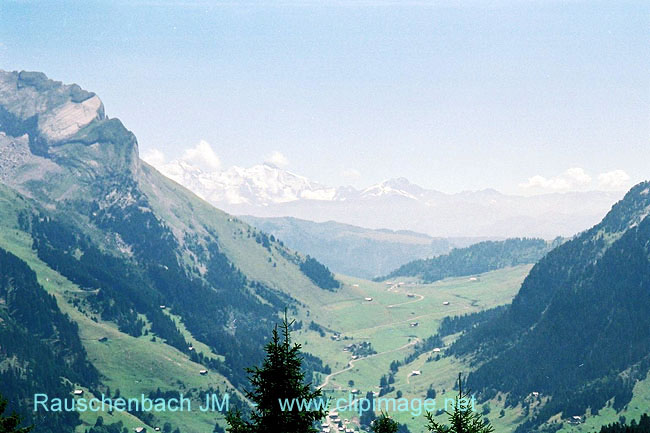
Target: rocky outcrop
50	131
66	120
28	95
18	165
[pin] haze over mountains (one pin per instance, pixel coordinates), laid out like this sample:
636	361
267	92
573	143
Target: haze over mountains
266	190
353	250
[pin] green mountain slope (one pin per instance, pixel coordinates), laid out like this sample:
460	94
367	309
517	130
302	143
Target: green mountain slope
80	208
475	259
28	313
132	365
582	311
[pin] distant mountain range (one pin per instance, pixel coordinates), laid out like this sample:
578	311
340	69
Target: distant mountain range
269	191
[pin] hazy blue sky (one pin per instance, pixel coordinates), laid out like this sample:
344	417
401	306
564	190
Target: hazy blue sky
452	95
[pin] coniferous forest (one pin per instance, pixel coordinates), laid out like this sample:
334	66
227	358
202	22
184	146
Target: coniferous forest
476	259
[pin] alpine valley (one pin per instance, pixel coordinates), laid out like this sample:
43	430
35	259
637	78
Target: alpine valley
116	280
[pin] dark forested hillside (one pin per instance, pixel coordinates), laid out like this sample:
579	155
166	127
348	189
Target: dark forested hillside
319	274
475	259
120	289
585	310
39	346
642	426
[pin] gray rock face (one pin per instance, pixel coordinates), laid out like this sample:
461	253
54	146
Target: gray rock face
66	120
27	94
50	131
18	165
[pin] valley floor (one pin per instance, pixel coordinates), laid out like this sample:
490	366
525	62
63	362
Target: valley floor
398	316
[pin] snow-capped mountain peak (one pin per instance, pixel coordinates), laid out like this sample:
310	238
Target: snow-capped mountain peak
395	187
268	190
261	184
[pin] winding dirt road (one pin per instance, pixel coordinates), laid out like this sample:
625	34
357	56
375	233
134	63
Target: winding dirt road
412	343
421	298
351	363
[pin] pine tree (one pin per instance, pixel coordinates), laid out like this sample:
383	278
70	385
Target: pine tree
384	424
368	416
463	419
279	378
9	424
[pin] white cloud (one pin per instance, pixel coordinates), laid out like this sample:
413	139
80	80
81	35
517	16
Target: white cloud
615	179
578	176
278	159
202	156
575	178
154	157
351	174
542	182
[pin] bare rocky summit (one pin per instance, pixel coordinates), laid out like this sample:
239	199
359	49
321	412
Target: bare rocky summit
51	131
